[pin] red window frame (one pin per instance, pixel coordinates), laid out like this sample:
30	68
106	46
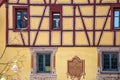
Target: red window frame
20	8
114	8
55	9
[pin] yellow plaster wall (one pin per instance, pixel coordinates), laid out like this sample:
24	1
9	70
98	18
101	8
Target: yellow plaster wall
36	1
107	38
15	38
12	54
56	39
74	1
79	24
90	34
81	38
100	23
2	25
109	1
97	37
36	10
87	54
63	54
67	10
86	10
88	23
22	1
102	10
67	24
44	38
63	1
32	37
118	38
43	25
10	18
13	1
80	1
34	22
67	38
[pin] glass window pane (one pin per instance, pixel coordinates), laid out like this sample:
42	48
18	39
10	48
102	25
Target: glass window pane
43	63
40	63
106	62
22	19
47	62
19	20
110	61
25	13
114	61
116	22
116	13
24	23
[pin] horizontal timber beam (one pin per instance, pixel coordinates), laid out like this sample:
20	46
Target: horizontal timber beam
108	30
90	4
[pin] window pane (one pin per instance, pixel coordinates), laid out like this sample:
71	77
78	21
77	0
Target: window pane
25	13
56	20
40	63
47	62
24	19
106	62
43	63
116	13
110	61
19	20
114	61
116	22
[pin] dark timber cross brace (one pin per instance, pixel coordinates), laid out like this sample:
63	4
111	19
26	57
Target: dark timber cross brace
76	6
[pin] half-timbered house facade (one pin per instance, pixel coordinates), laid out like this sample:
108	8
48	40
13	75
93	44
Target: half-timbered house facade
64	39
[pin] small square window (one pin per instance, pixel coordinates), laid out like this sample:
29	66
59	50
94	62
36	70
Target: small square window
109	61
43	63
20	18
56	17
